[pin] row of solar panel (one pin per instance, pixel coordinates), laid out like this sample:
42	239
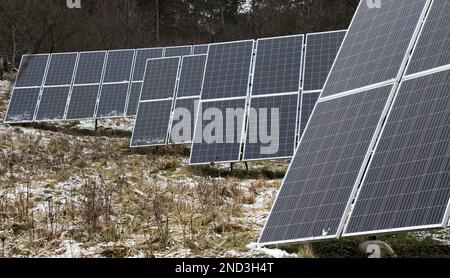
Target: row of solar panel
86	85
375	155
225	84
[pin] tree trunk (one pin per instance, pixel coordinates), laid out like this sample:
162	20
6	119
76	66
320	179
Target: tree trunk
158	38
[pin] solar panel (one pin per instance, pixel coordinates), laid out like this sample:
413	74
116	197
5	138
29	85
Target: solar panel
375	46
278	66
142	55
321	51
407	185
32	70
191	76
22	105
113	99
214	118
271	128
52	105
231	62
90	67
321	179
119	66
177	51
160	78
61	69
433	47
82	102
200	49
152	123
183	123
308	103
133	101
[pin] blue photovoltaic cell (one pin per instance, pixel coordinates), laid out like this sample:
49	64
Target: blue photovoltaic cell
22	105
32	70
152	123
322	176
433	48
52	105
375	46
228	70
118	66
177	51
407	185
82	102
133	101
321	51
183	123
309	101
90	67
160	78
191	76
201	49
142	55
61	69
278	67
273	117
223	143
113	99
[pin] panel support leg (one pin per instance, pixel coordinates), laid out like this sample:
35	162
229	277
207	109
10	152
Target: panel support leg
246	166
96	125
231	167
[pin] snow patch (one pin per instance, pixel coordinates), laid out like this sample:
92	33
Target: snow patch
274	253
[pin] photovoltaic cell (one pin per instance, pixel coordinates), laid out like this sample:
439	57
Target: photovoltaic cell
273	117
177	51
152	123
184	117
433	47
118	66
90	67
278	67
61	69
321	51
133	101
82	102
22	105
320	181
32	70
375	46
309	101
228	70
201	49
142	55
407	185
160	78
113	99
191	76
52	105
217	147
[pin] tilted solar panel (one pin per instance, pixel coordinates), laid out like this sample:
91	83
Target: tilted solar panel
22	105
90	67
83	101
133	101
32	70
407	185
177	51
191	76
142	55
308	103
52	105
160	78
119	66
200	49
183	123
61	69
113	98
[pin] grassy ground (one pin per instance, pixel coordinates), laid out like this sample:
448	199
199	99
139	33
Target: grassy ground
68	191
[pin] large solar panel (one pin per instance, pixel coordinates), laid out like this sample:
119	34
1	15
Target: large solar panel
160	78
433	47
218	132
152	123
228	68
308	102
90	67
200	49
32	70
271	127
321	51
113	99
278	65
52	105
133	99
119	66
183	122
321	179
22	105
82	102
177	51
375	46
407	185
61	69
191	76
